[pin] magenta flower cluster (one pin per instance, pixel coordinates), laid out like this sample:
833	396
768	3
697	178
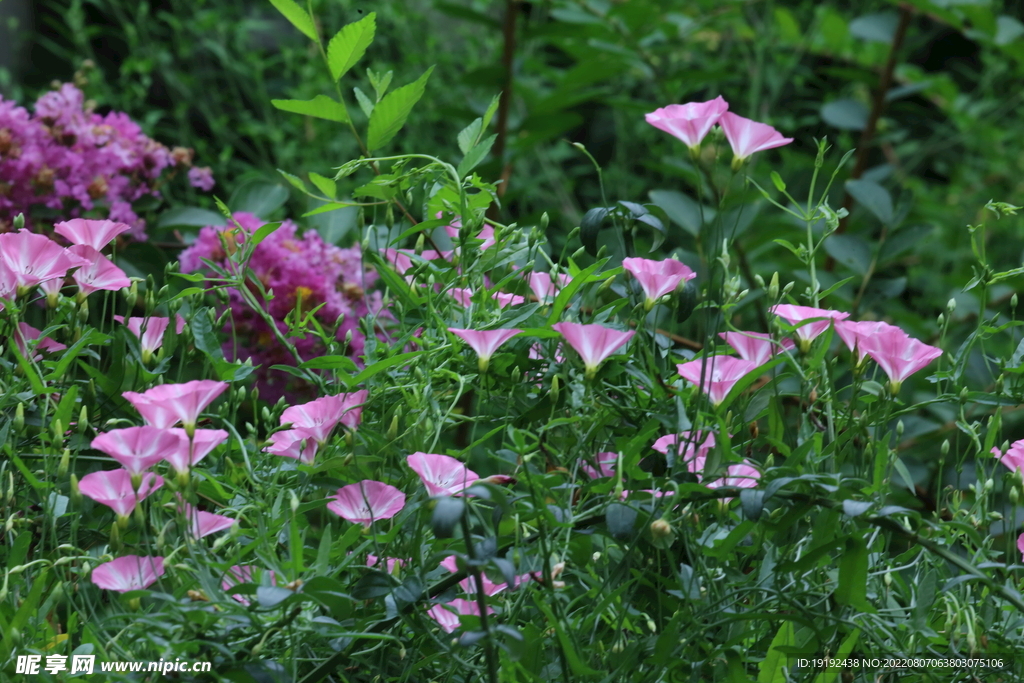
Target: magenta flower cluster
303	272
67	158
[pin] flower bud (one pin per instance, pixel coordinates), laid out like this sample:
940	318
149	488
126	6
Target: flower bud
951	306
1013	302
899	429
65	462
57	428
941	320
543	225
421	244
787	289
660	528
19	221
19	418
578	254
554	389
758	280
888	579
944	449
773	287
294	501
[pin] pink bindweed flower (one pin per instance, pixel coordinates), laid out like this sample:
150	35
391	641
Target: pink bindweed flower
150	332
367	501
755	346
747	137
545	288
245	573
447	614
128	573
1014	456
605	465
92	233
468	584
462	295
854	335
113	488
31	259
505	300
190	452
484	342
689	447
899	354
689	122
202	524
1020	546
315	420
166	405
443	475
139	448
720	374
797	315
658	278
486	234
291	443
98	273
594	343
741	475
389	563
26	333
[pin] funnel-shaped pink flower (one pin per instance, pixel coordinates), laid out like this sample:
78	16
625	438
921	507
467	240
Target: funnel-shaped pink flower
796	315
447	614
290	443
202	524
605	465
92	233
484	342
316	419
689	448
128	573
139	448
114	489
1014	456
98	273
546	289
1020	546
721	373
441	474
468	585
854	334
486	234
755	346
31	259
658	278
462	295
742	475
747	137
367	501
594	343
168	404
899	354
505	300
245	573
150	332
689	122
26	333
387	563
203	443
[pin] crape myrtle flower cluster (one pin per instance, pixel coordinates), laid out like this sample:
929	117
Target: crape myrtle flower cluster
68	158
304	273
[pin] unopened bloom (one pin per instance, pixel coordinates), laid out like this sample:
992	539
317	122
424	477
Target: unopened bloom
92	233
442	475
138	448
128	573
689	122
594	343
719	374
484	342
797	315
114	489
899	354
747	137
168	404
658	278
315	420
1014	456
367	501
755	346
150	332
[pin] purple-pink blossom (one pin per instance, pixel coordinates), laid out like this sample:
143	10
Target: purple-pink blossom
150	332
114	489
138	448
315	420
166	405
484	342
899	354
755	346
367	502
1014	456
605	465
657	278
799	316
442	475
31	259
91	233
128	573
447	614
748	137
98	272
689	122
594	343
716	375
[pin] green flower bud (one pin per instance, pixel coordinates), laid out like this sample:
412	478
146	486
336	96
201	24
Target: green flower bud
554	389
773	287
65	462
19	222
951	306
19	418
543	225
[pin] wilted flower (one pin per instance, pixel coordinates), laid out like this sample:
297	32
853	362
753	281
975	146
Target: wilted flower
128	573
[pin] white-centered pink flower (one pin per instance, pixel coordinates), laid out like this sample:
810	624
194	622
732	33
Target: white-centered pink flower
1020	546
755	346
98	273
150	331
202	524
689	122
128	573
315	420
657	278
854	334
139	448
468	585
31	259
484	342
486	234
741	475
899	354
594	343
92	233
810	321
1014	456
26	333
442	475
291	443
114	489
716	375
367	501
748	137
545	288
191	452
168	404
605	465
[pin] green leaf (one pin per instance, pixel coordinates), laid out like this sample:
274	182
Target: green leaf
475	156
850	250
365	103
295	180
191	216
325	185
258	197
390	114
773	667
70	355
327	208
205	338
492	108
447	514
590	226
264	232
349	45
872	197
562	300
331	363
380	366
682	210
321	106
299	17
469	135
845	114
30	372
620	520
853	576
845	648
777	180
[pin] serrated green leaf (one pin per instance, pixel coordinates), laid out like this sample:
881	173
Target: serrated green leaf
365	103
475	156
295	180
325	185
391	112
349	45
321	106
299	17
